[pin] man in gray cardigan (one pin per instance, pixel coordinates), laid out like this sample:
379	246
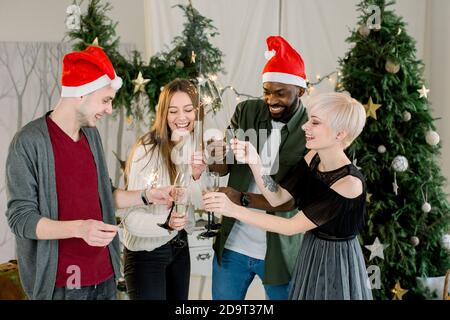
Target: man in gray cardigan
60	198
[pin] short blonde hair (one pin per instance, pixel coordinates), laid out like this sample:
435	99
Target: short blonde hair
343	112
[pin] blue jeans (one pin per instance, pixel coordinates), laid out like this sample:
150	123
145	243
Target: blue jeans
230	280
106	290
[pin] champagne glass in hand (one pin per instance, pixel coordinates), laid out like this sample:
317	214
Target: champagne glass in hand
210	183
182	202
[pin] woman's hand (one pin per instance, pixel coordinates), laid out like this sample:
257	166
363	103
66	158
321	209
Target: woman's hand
177	221
220	203
198	164
245	152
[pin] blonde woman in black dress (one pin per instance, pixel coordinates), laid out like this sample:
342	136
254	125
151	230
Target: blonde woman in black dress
330	194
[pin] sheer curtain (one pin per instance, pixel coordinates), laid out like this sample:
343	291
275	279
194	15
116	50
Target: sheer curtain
316	28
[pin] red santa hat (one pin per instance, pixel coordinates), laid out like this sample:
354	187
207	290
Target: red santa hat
284	65
86	71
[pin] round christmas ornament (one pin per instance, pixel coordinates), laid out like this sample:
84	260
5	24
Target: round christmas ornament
414	241
400	164
406	116
179	64
426	207
381	149
392	66
432	138
364	31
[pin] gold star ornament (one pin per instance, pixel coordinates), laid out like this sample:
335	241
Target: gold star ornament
423	92
371	108
139	83
95	43
398	291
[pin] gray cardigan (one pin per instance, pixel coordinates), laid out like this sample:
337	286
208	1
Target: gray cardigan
31	195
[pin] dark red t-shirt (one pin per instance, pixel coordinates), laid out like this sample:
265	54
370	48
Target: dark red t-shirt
78	199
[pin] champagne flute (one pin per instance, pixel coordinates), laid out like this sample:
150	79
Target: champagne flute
210	183
181	202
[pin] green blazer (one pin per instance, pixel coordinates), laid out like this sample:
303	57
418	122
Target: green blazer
281	250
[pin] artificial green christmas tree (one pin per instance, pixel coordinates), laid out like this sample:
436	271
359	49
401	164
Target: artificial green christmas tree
398	153
192	56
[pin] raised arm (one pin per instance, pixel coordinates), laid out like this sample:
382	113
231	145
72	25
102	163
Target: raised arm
124	198
219	202
256	201
245	152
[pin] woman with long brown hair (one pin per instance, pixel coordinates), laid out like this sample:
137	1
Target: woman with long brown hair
154	266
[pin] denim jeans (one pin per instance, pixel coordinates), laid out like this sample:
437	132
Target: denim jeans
160	274
230	280
107	290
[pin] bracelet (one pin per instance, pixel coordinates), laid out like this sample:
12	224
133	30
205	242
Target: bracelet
144	198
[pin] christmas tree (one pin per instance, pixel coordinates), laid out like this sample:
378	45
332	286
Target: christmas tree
398	154
191	57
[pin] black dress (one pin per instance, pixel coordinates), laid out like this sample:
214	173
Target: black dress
330	264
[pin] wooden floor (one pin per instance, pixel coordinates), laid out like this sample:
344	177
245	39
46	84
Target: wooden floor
255	291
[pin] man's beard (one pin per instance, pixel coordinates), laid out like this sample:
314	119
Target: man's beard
289	111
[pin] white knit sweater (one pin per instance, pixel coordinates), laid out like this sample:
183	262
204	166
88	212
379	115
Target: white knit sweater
141	231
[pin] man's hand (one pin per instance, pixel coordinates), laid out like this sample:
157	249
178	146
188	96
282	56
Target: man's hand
232	194
96	233
245	152
198	164
216	151
162	195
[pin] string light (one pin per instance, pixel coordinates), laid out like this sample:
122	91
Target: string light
207	100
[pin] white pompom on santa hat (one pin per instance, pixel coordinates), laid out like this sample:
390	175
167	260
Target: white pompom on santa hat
285	65
87	71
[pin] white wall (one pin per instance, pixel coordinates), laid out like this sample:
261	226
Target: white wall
437	69
44	20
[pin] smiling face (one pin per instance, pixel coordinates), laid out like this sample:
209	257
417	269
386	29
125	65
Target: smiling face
319	132
335	119
181	114
94	106
281	99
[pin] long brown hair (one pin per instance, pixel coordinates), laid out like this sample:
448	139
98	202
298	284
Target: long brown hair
160	133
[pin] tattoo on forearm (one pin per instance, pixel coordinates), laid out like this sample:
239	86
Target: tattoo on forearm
269	184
